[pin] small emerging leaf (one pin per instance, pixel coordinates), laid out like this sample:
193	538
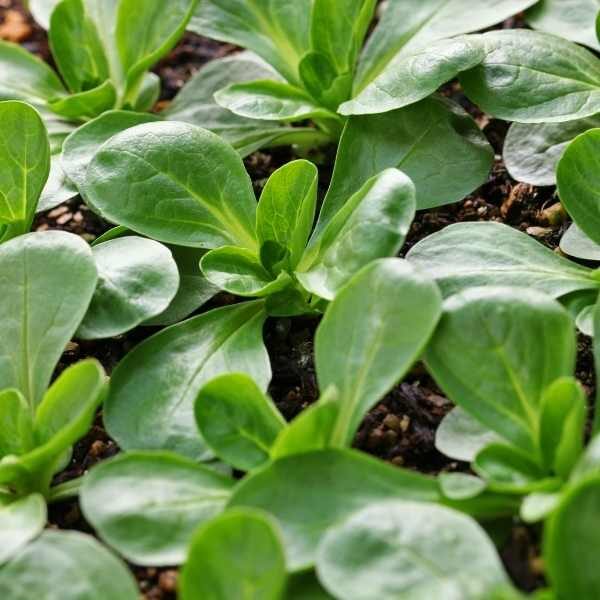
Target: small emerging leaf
237	420
251	562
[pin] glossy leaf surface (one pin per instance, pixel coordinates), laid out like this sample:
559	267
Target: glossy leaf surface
66	565
147	505
58	267
206	197
407	550
251	559
237	420
364	361
151	403
478	254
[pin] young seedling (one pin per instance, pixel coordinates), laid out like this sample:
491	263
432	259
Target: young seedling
307	460
320	56
48	280
506	357
103	52
265	252
379	95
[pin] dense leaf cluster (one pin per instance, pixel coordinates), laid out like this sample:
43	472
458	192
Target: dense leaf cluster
211	477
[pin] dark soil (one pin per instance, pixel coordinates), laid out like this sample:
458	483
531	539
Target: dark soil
401	428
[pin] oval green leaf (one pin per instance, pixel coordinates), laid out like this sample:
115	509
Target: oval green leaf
153	389
147	505
251	562
137	280
183	185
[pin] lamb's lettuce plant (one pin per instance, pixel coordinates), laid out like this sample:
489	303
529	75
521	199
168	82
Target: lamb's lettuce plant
262	251
103	51
42	422
48	280
326	75
514	377
411	52
307	461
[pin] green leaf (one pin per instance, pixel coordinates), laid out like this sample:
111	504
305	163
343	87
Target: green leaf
23	76
237	420
66	565
365	361
564	409
408	25
146	505
312	429
538	505
596	327
494	353
24	166
277	30
137	280
16	426
81	146
271	101
143	37
285	489
508	469
460	486
338	30
206	197
76	46
54	266
532	150
87	104
570	538
195	103
20	522
468	255
461	437
372	224
194	289
409	78
251	562
577	244
69	406
239	271
149	93
286	209
570	19
533	77
578	178
408	550
435	142
64	416
153	389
